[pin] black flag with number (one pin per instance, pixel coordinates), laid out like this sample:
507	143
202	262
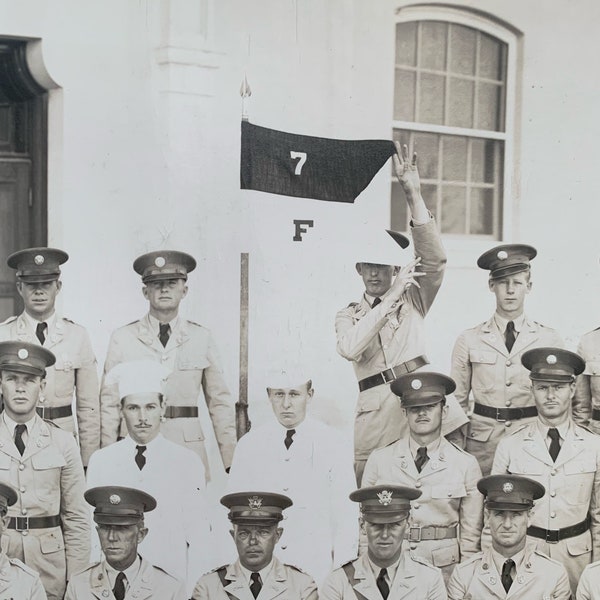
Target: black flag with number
309	167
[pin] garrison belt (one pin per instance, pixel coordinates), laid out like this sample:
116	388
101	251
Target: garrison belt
178	412
389	375
25	523
54	412
504	414
555	535
417	533
596	414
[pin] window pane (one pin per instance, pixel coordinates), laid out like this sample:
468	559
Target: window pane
404	96
406	44
432	53
454	153
426	147
453	209
482	211
491	59
462	50
460	104
430	193
482	160
5	133
488	107
431	99
399	216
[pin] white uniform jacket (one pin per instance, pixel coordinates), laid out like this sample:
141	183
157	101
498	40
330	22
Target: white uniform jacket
415	579
151	583
18	581
321	528
539	577
177	539
450	496
284	583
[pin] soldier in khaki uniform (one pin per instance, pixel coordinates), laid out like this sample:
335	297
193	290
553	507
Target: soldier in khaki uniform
75	370
511	567
185	348
586	404
387	569
446	521
383	334
49	525
257	573
16	579
486	360
564	458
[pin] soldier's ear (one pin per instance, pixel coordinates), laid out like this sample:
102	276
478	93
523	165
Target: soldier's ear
142	532
5	520
185	291
358	267
396	271
58	285
279	533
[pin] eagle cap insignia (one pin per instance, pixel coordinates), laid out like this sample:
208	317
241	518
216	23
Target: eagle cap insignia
160	262
22	353
115	499
508	487
385	497
502	255
254	502
38	259
551	359
416	384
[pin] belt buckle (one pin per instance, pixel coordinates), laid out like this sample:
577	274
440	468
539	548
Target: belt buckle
384	376
410	533
552	536
498	416
21	523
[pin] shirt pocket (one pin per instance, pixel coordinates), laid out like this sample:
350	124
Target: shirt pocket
46	473
51	541
64	375
480	431
483	376
448	490
579	480
526	467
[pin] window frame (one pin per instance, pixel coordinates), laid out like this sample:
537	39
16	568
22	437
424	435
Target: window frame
511	37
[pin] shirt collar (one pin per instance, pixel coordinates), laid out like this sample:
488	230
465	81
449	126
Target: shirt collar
431	447
130	573
12	424
391	570
155	323
499	560
264	573
501	322
33	323
563	429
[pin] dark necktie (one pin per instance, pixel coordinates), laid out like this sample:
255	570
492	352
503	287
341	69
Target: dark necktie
40	332
506	576
509	335
554	448
376	302
140	459
288	438
256	584
164	333
19	443
422	458
119	589
382	585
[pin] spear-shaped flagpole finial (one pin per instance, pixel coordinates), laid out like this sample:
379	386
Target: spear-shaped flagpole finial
245	92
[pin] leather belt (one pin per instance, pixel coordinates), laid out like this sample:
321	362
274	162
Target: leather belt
596	414
179	412
25	523
504	414
416	533
389	375
54	412
555	535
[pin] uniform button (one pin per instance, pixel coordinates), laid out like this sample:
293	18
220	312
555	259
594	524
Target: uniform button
416	505
286	489
449	494
287	459
284	547
508	403
23	511
164	357
418	484
42	400
22	490
24	532
552	494
508	423
385	346
552	515
21	467
508	384
413	546
508	363
553	472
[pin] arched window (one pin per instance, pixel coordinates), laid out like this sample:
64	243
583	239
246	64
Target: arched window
454	101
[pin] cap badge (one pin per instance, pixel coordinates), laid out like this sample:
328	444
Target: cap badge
115	499
385	497
551	359
160	262
38	259
508	487
416	384
22	353
254	502
502	255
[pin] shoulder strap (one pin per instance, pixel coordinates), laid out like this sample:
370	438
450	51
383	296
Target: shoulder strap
221	573
349	570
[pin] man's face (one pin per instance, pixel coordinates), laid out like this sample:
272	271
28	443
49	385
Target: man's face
20	392
39	298
510	292
142	414
384	541
255	544
165	295
289	404
377	278
553	400
425	420
508	529
120	543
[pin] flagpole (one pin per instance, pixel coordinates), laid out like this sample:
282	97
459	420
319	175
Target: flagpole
242	421
245	92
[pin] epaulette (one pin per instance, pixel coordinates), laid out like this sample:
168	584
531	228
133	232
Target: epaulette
520	428
218	569
194	323
352	304
458	447
86	568
295	568
584	427
17	563
472	558
557	562
52	423
9	320
69	321
132	323
421	560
